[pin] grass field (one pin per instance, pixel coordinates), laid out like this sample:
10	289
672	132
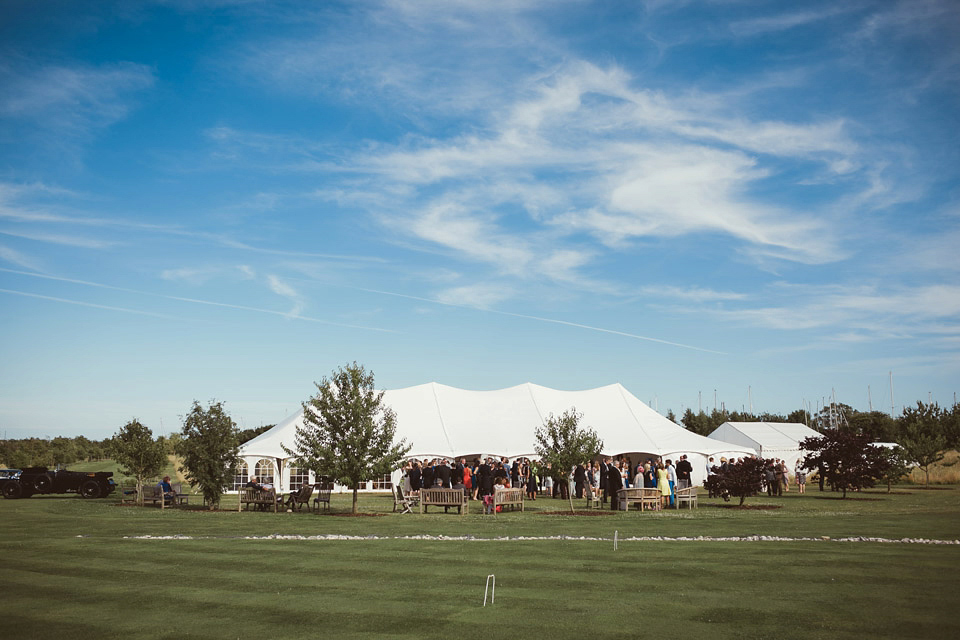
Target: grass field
71	570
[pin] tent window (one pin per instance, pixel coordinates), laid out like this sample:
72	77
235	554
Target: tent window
298	477
264	471
243	474
382	483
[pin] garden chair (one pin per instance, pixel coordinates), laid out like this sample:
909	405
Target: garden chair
407	503
300	497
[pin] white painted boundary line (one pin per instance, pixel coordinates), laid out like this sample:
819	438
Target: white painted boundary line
333	538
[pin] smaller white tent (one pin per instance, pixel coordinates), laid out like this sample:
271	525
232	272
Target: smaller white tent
769	439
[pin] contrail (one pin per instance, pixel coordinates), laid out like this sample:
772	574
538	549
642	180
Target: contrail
179	299
538	318
86	304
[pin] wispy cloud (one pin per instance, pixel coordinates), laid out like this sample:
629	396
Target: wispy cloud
71	99
785	21
66	240
283	289
19	258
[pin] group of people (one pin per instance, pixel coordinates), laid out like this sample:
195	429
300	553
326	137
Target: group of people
480	477
477	479
776	475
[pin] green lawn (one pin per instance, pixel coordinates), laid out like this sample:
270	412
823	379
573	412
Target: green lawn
69	571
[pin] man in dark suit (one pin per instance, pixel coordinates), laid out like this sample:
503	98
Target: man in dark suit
486	478
579	478
614	484
414	474
604	468
684	472
427	476
443	474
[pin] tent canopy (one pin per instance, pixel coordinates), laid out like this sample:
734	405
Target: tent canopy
442	421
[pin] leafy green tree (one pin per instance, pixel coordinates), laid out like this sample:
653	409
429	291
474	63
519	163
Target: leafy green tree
563	444
209	450
697	422
951	426
801	416
848	459
877	425
137	453
348	432
922	436
738	479
898	465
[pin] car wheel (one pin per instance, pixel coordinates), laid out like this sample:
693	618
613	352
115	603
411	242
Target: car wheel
12	490
90	489
42	484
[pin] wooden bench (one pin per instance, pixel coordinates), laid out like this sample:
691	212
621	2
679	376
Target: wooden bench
262	498
687	495
504	497
445	498
324	490
154	495
646	497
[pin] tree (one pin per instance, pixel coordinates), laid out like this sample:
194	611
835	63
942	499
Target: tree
137	453
922	435
209	449
563	444
898	465
348	432
848	459
698	423
739	479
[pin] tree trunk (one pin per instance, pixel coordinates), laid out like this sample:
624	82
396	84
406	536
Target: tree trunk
355	497
742	498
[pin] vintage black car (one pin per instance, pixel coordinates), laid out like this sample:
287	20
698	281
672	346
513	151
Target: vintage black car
23	483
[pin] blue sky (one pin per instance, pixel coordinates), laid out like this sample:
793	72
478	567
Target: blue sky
215	199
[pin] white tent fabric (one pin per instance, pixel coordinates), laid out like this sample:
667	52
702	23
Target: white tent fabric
767	439
442	421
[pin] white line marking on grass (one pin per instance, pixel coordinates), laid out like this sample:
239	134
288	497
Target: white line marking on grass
335	537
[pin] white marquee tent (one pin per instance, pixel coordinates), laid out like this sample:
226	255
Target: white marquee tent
767	439
442	421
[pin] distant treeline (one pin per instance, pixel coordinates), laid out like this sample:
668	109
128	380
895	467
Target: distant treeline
877	425
42	452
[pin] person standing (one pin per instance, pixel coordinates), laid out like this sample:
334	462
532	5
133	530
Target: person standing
684	472
801	474
672	480
604	470
614	484
663	483
579	478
